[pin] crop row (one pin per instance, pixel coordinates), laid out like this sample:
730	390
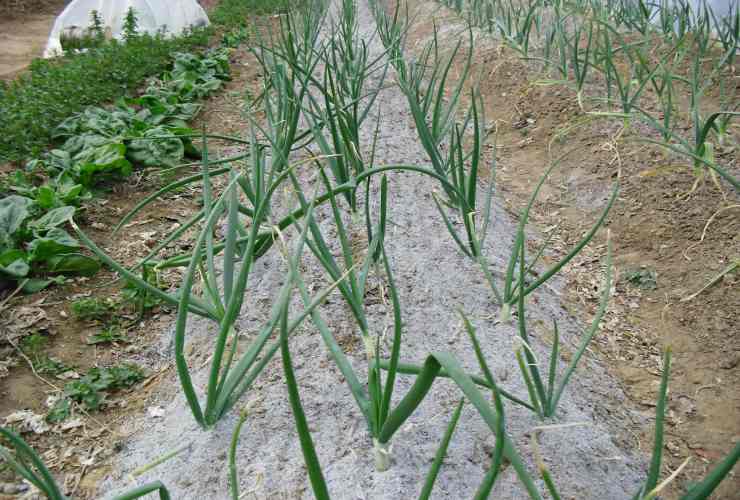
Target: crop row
302	104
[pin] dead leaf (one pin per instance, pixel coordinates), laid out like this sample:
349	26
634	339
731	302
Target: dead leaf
28	420
71	423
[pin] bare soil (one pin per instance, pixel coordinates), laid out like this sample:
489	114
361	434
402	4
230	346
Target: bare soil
23	35
660	226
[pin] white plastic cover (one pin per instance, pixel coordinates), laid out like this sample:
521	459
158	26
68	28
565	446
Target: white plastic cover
153	15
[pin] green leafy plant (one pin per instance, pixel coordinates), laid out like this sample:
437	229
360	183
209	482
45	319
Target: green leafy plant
33	346
108	335
130	28
91	389
33	105
93	308
40	242
643	278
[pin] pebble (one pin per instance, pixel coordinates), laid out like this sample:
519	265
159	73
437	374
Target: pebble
13	489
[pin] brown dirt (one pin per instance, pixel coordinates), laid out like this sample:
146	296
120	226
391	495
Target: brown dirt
23	36
658	225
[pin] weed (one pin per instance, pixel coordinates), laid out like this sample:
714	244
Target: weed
141	299
92	388
33	347
109	335
644	278
93	308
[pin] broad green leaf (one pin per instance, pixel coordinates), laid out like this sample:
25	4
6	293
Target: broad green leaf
46	197
102	160
7	257
14	210
56	242
53	218
74	263
16	269
157	147
35	285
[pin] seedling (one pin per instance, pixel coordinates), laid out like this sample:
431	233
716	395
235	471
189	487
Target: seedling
33	347
111	334
91	389
93	308
644	278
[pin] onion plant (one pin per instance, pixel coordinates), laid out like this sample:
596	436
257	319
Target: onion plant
546	396
647	490
375	403
392	30
629	86
465	182
514	288
374	397
27	464
233	472
424	85
24	461
572	55
515	23
230	376
727	30
640	15
346	102
698	148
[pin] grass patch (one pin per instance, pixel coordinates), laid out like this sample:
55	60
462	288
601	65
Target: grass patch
233	13
53	89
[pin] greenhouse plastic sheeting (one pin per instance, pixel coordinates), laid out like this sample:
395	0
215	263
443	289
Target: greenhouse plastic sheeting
172	16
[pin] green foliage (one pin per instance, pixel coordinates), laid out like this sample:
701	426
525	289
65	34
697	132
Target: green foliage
30	240
33	347
53	89
96	145
92	388
93	309
101	143
642	278
130	25
96	28
235	37
234	13
108	335
92	37
141	299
